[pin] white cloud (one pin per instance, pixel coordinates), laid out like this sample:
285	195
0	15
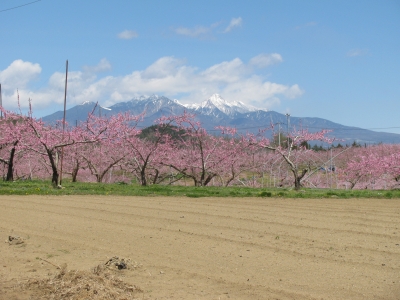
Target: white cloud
293	92
102	66
225	72
264	60
309	24
198	31
168	76
128	34
163	67
193	32
357	52
18	74
259	93
204	31
235	22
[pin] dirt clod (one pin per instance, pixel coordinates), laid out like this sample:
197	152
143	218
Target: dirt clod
14	240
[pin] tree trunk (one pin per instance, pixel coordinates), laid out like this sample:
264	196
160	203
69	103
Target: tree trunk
297	184
10	169
143	180
54	178
155	177
10	166
75	172
298	178
208	179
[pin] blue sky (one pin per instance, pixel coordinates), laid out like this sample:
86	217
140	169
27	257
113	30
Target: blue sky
337	60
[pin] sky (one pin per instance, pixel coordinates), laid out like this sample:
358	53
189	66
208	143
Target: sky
337	60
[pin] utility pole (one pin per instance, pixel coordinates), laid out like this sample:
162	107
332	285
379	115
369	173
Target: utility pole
288	128
331	168
1	104
65	107
279	134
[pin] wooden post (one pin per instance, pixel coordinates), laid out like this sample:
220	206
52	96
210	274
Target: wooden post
1	104
65	107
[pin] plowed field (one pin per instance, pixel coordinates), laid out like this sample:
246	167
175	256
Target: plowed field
208	248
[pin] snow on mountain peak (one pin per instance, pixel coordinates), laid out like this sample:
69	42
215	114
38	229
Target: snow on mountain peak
229	108
192	106
215	100
215	105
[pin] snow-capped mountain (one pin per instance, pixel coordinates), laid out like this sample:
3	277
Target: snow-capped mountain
150	105
218	106
216	111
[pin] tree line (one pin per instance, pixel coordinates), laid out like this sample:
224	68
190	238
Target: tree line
177	149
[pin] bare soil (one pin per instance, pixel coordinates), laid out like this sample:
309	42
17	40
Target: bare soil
200	248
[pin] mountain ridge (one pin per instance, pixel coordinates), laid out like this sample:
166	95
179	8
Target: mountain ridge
216	111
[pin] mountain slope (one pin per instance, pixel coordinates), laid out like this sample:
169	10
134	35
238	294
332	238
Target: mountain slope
216	111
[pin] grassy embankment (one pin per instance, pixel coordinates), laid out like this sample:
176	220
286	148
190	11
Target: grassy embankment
35	187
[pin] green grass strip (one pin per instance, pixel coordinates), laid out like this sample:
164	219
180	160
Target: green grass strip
37	187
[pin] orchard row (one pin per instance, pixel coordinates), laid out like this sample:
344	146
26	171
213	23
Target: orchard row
178	150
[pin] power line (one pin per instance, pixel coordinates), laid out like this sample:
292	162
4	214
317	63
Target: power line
20	6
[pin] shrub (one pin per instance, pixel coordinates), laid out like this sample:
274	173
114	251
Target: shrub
265	194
